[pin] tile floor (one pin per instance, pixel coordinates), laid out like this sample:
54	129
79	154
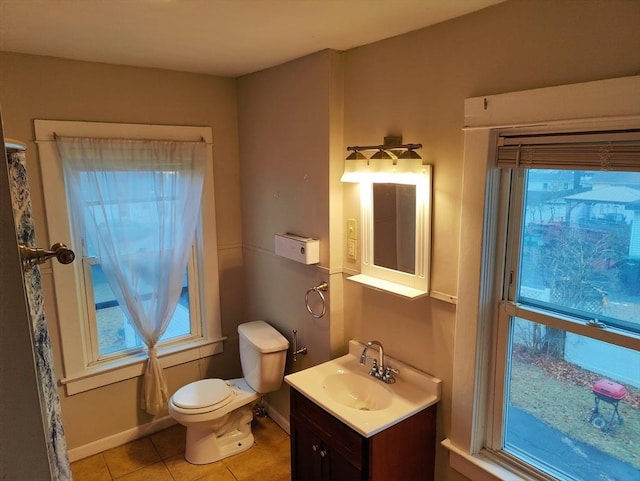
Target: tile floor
160	457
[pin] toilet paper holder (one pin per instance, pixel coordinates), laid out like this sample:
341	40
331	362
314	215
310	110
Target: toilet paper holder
296	351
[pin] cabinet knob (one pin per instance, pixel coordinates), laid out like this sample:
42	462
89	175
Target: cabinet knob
323	453
315	447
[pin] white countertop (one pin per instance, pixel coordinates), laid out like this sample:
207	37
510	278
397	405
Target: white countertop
412	392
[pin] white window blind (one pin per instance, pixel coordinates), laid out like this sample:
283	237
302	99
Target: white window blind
615	151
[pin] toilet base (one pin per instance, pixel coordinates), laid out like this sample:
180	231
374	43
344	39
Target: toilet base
200	453
205	445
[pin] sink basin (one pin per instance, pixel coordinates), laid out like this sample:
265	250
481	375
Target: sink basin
357	391
343	388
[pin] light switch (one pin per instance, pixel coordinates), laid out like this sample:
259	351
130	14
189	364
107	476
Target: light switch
352	229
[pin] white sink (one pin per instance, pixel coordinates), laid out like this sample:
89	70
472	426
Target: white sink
357	391
344	388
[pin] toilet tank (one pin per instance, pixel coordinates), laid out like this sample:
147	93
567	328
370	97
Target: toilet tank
263	354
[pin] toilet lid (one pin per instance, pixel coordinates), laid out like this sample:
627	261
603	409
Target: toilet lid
204	393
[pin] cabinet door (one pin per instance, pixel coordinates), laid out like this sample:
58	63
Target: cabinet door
322	447
336	467
306	462
313	460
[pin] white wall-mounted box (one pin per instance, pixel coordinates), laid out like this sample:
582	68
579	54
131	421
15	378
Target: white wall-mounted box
301	249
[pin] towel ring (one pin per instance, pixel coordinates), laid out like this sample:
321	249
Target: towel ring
319	289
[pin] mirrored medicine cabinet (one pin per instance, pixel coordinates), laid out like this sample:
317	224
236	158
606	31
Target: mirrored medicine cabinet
395	224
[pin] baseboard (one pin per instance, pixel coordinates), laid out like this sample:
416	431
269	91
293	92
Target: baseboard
138	432
119	439
279	419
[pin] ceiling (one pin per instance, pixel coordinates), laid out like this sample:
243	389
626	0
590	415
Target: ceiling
220	37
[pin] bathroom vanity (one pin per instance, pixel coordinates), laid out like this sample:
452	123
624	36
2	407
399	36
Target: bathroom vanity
323	448
349	426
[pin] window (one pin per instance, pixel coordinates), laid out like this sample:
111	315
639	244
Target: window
569	395
115	336
109	329
99	346
503	305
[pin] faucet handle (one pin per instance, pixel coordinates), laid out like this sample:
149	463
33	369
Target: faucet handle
374	367
388	375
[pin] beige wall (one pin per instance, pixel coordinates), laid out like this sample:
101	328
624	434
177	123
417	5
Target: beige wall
415	85
34	87
286	127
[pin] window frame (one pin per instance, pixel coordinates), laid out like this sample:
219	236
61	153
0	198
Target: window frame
476	418
82	371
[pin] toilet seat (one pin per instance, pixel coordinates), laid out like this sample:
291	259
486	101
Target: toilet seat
206	394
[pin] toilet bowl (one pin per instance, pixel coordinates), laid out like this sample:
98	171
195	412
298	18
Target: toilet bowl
218	413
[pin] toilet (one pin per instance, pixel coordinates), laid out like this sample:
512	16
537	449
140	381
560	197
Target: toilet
218	413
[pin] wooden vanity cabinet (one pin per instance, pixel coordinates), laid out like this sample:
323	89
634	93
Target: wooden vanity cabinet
323	448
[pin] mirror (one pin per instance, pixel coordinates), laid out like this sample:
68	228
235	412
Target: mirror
394	226
396	231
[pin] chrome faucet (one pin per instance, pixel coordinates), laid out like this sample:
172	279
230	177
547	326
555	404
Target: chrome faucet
378	369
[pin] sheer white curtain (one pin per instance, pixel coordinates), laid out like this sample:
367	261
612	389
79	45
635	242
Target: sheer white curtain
138	201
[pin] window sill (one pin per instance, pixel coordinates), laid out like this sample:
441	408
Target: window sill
481	467
102	374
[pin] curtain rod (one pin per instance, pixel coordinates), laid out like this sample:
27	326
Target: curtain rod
57	136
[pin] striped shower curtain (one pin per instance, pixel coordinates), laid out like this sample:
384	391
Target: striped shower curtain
21	200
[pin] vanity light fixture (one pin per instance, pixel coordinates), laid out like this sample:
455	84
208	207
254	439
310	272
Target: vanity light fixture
393	148
386	168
